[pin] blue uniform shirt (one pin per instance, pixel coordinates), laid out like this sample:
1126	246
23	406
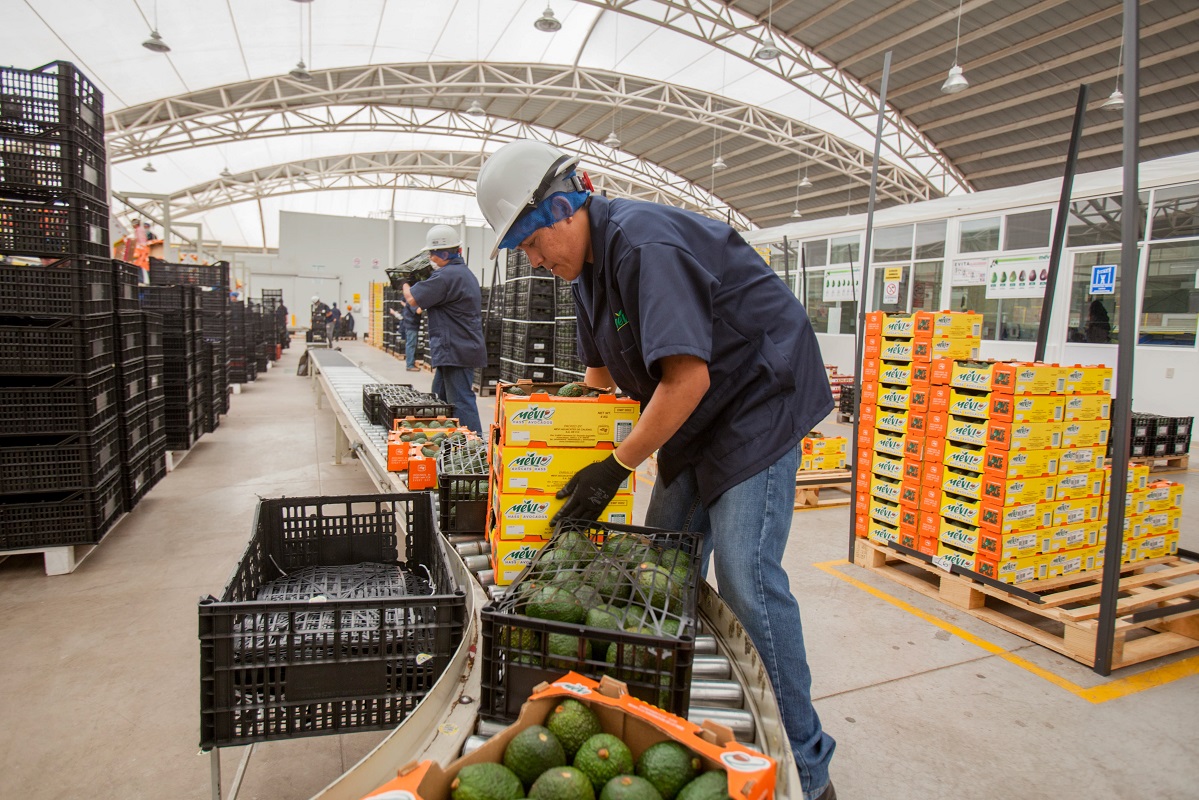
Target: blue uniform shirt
670	282
452	301
410	318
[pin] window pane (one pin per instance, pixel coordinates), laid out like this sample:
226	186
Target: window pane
1027	230
1171	304
1093	318
816	253
893	244
844	250
1009	319
901	298
777	263
926	286
814	302
1176	212
1097	221
979	235
849	316
930	239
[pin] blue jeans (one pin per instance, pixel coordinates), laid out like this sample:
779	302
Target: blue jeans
453	385
747	527
411	342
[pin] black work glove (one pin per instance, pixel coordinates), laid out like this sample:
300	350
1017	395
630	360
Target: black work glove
591	489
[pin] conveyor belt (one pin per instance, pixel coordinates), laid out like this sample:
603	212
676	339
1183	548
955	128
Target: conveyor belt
728	684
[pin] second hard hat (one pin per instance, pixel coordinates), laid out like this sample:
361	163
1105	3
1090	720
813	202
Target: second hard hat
515	178
442	237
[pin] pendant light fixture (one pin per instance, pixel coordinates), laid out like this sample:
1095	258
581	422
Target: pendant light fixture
799	185
769	50
613	140
149	167
225	173
547	22
719	164
155	43
300	70
1115	101
804	183
956	80
475	110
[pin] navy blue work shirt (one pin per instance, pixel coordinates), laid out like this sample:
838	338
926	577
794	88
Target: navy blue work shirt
452	301
409	317
666	282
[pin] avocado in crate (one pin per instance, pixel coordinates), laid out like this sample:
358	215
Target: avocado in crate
340	617
598	599
462	470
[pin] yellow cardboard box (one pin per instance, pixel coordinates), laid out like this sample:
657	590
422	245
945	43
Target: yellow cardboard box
894	397
1157	545
1069	562
953	348
962	509
883	511
829	461
1072	512
895	350
1160	522
1079	484
1028	407
545	469
828	445
963	537
950	554
527	516
1088	380
1085	433
1005	546
1012	519
1162	496
974	375
1023	569
881	533
966	484
964	457
1072	537
1030	378
966	431
888	444
1019	491
1138	477
1024	435
1021	463
965	403
892	420
1081	459
887	467
553	421
509	557
898	326
948	324
898	374
1088	407
885	489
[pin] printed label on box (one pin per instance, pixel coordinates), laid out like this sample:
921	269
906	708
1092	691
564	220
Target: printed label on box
1088	407
962	457
966	431
1085	433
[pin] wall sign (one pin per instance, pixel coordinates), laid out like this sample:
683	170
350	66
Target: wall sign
842	284
1103	279
970	272
1018	276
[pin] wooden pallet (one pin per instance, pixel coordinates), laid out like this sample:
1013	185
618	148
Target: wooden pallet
1067	618
836	485
1163	463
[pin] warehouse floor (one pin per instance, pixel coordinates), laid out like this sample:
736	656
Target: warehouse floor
101	682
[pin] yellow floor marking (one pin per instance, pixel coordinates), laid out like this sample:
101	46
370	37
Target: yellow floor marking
1116	688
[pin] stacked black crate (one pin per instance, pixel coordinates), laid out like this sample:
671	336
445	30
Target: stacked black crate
272	300
130	357
213	280
181	340
60	455
487	377
237	342
255	358
527	345
567	366
143	475
264	352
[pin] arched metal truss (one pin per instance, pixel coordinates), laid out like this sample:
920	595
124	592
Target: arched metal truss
443	171
661	124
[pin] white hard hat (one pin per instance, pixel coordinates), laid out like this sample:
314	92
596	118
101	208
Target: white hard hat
442	237
515	178
316	298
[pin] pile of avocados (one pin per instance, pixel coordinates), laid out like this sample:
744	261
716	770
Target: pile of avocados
571	758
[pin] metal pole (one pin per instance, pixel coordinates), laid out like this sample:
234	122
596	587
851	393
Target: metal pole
1122	403
786	262
1059	228
859	337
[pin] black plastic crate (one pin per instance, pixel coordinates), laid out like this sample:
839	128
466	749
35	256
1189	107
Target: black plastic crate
425	405
55	228
283	668
70	287
68	347
567	376
52	165
81	517
518	265
625	567
512	371
131	338
59	406
462	485
1181	426
1140	447
125	278
530	337
152	333
84	461
135	433
164	273
564	299
138	477
52	98
165	299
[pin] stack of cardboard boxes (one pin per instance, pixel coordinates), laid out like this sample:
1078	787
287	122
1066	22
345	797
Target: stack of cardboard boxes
822	453
539	441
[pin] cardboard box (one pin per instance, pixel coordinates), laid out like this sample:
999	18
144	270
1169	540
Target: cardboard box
1021	463
1069	562
523	515
964	430
895	349
1088	407
1025	435
1085	433
1029	378
1015	571
908	519
913	447
1088	380
422	470
1079	484
928	545
897	373
888	444
1072	537
1015	519
930	498
965	403
830	445
1072	512
1027	407
872	346
751	775
913	469
917	422
879	323
887	466
885	489
974	375
909	493
961	509
966	484
1157	523
867	413
1005	491
964	457
927	350
938	399
545	420
891	420
545	469
1161	496
881	532
908	536
942	371
509	557
952	555
831	461
1081	459
933	473
1157	545
1138	477
1001	547
934	450
882	511
948	324
963	537
894	397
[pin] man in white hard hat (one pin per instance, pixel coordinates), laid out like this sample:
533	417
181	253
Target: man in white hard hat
452	302
680	313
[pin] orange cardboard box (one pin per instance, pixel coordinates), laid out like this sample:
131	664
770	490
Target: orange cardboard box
919	398
941	371
934	473
908	536
927	545
913	470
929	525
867	413
938	399
934	449
872	346
422	470
870	370
869	393
913	447
937	424
908	519
909	493
751	775
861	523
917	422
865	438
930	498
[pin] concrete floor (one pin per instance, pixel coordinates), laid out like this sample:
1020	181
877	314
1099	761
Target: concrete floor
101	682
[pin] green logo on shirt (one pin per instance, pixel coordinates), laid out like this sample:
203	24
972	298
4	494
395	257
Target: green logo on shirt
621	319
